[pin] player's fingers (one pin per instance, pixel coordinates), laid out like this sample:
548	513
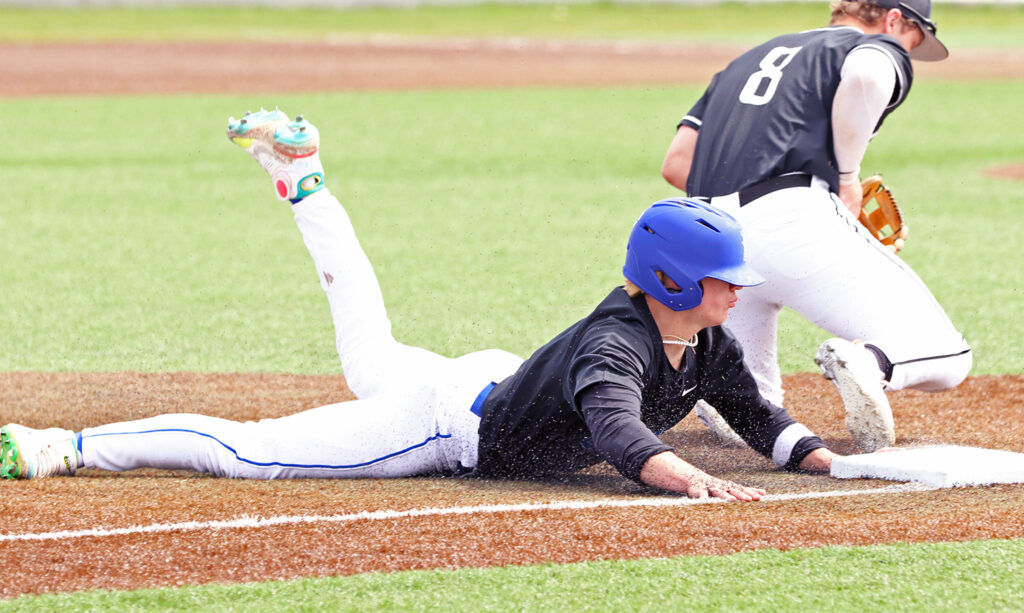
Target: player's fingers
751	494
698	490
721	492
742	492
738	494
719	489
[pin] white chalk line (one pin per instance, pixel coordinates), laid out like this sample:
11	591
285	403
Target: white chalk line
607	503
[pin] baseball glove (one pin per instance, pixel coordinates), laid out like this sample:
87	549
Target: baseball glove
881	215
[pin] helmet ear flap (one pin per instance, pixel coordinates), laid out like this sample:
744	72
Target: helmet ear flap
690	292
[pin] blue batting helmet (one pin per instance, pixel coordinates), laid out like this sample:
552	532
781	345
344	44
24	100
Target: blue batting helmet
687	240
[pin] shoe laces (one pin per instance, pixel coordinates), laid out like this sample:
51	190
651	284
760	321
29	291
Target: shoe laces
50	462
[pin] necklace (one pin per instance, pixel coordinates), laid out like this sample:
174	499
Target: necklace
671	339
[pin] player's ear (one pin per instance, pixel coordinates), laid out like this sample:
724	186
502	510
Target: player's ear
893	18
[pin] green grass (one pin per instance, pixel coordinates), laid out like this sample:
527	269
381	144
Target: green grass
974	576
154	245
141	239
960	26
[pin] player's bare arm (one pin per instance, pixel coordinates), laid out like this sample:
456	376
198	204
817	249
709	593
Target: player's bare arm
865	88
676	167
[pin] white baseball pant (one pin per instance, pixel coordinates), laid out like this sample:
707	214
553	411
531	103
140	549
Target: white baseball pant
412	415
821	262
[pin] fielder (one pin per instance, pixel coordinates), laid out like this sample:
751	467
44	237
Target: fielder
777	140
600	391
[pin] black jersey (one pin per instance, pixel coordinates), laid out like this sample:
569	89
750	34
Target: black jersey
769	112
604	389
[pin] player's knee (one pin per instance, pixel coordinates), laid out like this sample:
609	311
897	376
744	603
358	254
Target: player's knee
361	384
934	373
952	373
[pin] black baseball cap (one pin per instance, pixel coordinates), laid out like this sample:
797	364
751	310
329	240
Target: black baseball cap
920	12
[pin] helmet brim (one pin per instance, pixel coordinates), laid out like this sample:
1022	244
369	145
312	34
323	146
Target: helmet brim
741	275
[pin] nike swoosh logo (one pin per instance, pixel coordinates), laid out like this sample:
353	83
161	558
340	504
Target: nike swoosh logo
685	392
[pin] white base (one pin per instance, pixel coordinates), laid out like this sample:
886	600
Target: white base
938	466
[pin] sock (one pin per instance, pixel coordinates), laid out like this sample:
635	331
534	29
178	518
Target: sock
884	364
78	449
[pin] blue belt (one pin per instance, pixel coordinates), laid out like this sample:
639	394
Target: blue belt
478	404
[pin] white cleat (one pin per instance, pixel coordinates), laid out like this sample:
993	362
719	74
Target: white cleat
713	420
855	373
27	453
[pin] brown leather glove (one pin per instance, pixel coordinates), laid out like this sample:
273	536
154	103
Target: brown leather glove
881	215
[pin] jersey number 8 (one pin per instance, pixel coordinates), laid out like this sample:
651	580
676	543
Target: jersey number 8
755	91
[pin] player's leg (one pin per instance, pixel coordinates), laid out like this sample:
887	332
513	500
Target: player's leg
754	322
783	237
908	333
414	429
821	262
884	305
877	299
390	435
370	356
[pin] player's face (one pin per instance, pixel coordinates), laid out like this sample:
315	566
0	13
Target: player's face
719	297
908	33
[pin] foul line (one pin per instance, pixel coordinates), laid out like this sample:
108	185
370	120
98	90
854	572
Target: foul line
257	522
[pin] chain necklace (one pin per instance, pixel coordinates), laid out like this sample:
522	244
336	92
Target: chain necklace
671	339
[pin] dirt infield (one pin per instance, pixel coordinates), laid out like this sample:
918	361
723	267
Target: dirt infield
92	68
984	411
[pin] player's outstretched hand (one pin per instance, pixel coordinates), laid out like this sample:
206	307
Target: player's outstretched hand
670	472
703	485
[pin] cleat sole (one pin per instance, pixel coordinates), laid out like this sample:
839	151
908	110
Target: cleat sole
251	121
10	456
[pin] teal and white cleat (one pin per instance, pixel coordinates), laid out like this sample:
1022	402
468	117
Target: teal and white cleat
27	453
287	150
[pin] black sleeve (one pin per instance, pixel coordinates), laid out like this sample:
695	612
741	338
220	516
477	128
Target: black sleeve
605	385
803	447
612	414
734	394
695	116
